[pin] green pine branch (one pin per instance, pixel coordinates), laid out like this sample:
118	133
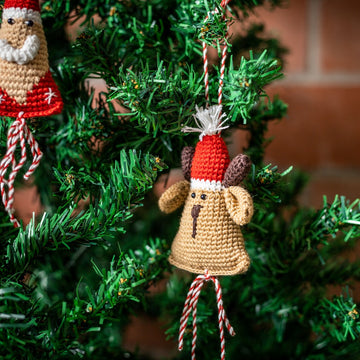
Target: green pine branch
90	312
340	318
245	85
111	203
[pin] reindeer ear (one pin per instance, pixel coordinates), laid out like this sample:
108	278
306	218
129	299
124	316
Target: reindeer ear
174	196
187	155
237	170
239	204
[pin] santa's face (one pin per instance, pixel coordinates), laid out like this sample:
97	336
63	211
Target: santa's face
18	40
23	54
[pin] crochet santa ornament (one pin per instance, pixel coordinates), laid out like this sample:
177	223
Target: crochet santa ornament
27	88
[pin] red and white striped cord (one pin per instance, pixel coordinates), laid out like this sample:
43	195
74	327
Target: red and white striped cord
191	304
223	4
18	132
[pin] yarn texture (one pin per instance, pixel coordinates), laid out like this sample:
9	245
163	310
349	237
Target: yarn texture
27	89
27	4
26	84
174	197
187	155
209	239
211	151
215	206
237	170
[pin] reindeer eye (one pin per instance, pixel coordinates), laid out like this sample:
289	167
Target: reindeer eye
29	23
11	21
193	195
203	196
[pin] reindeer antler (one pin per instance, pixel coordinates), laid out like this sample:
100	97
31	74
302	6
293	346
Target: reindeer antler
187	155
238	168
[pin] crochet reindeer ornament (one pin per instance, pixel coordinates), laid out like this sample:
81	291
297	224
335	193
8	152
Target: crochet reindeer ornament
209	241
209	236
27	88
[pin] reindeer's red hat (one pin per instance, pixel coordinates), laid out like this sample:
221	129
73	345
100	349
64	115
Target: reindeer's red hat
211	157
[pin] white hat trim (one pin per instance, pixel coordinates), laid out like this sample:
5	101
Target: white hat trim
21	13
201	184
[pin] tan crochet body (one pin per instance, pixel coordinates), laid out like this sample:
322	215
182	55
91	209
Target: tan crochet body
218	245
17	79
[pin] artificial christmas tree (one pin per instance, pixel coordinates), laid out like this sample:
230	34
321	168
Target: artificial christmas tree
71	278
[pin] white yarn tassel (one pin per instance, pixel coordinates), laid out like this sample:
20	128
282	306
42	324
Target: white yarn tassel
209	121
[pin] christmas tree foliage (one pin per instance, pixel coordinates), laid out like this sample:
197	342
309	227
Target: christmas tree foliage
72	277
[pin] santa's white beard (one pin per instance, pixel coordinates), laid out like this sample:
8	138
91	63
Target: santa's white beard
17	80
23	55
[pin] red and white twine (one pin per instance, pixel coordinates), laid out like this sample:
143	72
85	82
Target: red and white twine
18	133
223	4
191	304
196	286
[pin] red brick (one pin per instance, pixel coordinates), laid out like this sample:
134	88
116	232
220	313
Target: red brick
27	202
237	142
166	180
289	25
147	335
322	128
331	183
340	34
73	30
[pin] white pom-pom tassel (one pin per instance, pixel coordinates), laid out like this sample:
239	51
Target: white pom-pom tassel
209	121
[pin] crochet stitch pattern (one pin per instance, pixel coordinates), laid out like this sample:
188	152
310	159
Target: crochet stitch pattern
218	245
237	170
187	155
26	4
211	151
209	240
215	206
27	89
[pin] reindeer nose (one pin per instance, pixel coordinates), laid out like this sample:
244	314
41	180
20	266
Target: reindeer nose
195	211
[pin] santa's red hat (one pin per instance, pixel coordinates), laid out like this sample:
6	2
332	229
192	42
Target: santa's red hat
211	157
27	9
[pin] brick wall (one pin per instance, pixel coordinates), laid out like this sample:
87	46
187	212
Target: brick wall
322	88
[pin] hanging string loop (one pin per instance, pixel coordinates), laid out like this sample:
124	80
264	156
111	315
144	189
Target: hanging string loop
223	4
18	133
191	305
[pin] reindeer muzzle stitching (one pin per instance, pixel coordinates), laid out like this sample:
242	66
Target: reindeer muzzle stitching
195	211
